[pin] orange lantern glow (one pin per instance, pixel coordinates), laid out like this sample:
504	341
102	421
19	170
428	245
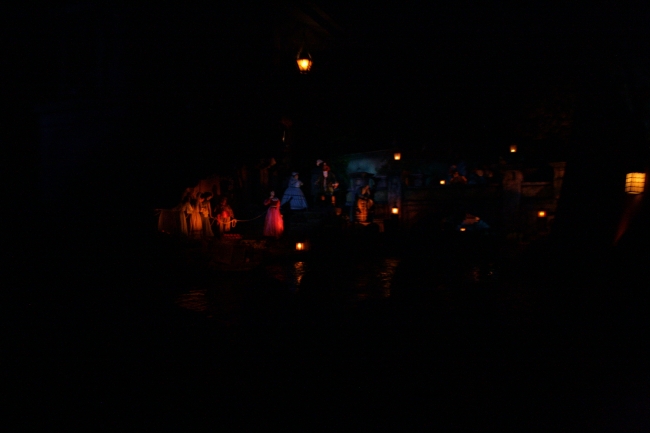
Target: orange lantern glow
462	229
397	156
304	63
513	148
300	246
395	210
541	214
442	182
634	183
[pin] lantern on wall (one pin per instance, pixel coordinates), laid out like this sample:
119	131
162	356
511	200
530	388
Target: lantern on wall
462	229
634	183
304	62
394	210
300	246
397	156
541	214
513	148
442	182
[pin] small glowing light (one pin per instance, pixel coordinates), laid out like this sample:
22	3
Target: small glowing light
300	246
462	229
513	148
541	214
442	182
395	210
304	63
634	183
397	156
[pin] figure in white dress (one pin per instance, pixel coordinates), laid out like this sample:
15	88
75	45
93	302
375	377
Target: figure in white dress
183	212
294	195
205	209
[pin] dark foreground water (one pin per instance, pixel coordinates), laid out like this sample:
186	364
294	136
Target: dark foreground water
364	334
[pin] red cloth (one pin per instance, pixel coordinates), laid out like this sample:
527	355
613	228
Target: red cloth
273	224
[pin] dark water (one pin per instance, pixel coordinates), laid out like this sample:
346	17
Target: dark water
367	281
345	337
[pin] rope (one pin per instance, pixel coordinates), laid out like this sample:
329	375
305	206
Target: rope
233	222
244	221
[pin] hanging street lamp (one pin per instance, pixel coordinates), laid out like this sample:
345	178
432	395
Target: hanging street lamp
304	62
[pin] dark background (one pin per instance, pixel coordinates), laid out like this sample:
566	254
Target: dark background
110	110
201	85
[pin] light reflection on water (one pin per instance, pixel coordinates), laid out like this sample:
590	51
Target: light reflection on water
387	274
220	305
480	273
374	281
370	280
290	274
366	280
195	300
233	299
299	270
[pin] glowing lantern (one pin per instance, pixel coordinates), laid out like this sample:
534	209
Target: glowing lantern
462	229
304	63
513	148
634	183
397	156
541	214
442	182
300	246
395	210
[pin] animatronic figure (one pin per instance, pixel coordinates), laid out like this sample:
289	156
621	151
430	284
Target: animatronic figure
196	221
327	184
184	210
273	224
174	221
363	204
293	194
225	215
457	179
205	209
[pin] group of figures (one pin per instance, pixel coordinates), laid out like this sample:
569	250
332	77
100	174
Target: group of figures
194	216
324	184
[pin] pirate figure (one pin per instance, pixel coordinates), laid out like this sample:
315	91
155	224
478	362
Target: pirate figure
326	184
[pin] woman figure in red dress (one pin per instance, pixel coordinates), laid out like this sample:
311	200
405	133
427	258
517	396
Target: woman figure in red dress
273	224
225	215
